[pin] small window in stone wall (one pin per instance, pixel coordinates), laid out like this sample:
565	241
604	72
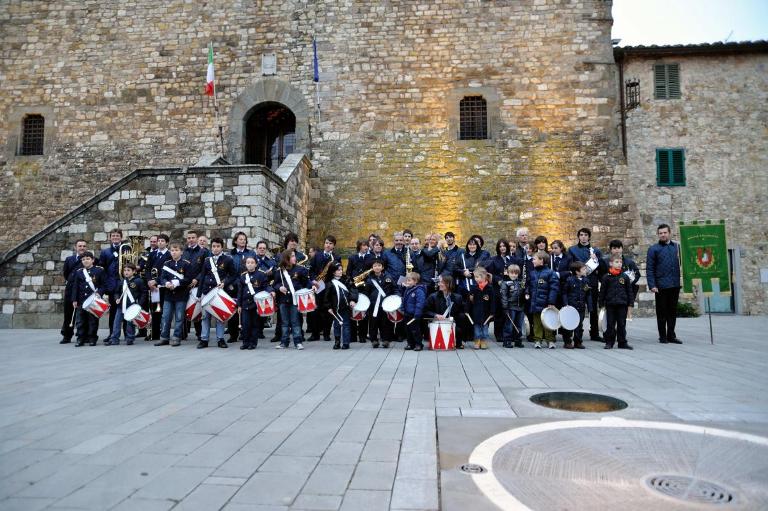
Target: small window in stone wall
666	81
32	135
670	167
473	118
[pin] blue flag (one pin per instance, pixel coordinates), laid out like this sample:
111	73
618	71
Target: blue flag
317	69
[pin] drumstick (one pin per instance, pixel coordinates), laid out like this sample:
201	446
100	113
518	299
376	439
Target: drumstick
487	320
469	318
513	323
72	323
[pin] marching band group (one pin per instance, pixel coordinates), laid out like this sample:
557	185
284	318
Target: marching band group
409	292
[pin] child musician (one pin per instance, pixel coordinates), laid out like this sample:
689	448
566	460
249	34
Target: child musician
541	292
216	271
378	286
616	296
513	307
576	293
481	306
445	303
290	278
340	297
175	277
414	299
88	280
132	290
253	281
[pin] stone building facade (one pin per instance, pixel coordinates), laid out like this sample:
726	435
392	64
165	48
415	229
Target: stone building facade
719	120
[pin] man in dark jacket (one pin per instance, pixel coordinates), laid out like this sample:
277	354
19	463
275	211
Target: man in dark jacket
71	265
663	275
591	256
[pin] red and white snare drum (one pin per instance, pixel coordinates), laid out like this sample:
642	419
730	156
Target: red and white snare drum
265	303
361	308
96	305
137	315
194	309
305	300
392	306
219	304
442	334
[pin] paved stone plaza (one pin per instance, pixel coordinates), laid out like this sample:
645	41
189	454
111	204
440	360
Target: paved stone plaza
144	428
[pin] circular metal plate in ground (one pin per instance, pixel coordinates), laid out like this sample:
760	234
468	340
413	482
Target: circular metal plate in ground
616	463
579	402
690	489
471	468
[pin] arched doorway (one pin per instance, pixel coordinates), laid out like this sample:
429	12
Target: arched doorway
270	134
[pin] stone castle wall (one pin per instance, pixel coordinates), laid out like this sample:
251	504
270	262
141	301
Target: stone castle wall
217	201
721	122
121	87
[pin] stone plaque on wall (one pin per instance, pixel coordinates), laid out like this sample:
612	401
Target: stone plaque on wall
268	64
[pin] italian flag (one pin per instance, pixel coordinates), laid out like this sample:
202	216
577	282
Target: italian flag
209	78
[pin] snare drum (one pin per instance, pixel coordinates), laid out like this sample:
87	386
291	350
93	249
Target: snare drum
392	306
219	304
194	309
96	305
569	317
137	316
265	303
442	335
305	300
550	318
361	307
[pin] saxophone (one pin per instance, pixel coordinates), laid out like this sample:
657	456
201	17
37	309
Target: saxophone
360	279
408	263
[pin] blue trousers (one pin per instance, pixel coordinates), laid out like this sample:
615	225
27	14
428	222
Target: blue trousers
291	324
513	329
172	311
343	330
130	328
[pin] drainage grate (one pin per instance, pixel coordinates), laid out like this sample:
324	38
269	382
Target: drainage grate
579	402
689	489
471	468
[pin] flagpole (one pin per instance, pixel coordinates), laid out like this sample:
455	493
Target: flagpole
316	78
216	110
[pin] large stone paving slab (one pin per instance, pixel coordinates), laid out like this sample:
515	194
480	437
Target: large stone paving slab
139	427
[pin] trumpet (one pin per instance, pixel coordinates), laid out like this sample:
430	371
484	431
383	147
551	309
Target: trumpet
360	279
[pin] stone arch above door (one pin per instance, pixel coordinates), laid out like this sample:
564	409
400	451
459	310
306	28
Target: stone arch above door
261	91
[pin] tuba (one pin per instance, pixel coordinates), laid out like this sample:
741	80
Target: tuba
129	252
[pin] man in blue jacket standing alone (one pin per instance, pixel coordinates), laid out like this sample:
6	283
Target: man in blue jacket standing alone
663	274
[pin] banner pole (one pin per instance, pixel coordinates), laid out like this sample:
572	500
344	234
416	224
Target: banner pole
709	313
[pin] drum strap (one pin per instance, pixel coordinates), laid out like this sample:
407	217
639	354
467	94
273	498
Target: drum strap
174	273
127	296
89	280
466	280
248	283
215	271
287	280
378	297
339	287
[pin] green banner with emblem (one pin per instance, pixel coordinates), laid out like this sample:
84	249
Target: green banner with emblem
704	257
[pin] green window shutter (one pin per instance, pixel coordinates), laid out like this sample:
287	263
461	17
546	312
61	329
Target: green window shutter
662	167
660	81
678	167
673	81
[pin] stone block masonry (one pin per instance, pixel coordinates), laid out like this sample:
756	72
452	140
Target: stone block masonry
151	201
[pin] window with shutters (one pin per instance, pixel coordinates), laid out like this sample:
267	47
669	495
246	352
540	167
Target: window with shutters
473	118
670	167
32	135
666	81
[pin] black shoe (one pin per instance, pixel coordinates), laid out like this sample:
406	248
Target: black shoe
579	346
231	340
625	346
162	343
375	344
244	346
596	338
674	341
147	338
222	344
326	339
202	344
663	341
79	343
608	346
461	346
418	348
519	344
336	345
93	343
129	343
408	347
65	341
274	339
508	345
251	346
345	347
362	339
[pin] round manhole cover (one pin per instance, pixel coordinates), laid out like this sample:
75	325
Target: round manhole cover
689	489
579	402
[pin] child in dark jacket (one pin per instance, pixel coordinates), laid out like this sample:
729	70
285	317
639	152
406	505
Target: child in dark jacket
130	290
616	295
481	306
541	292
252	281
339	298
414	299
576	293
513	304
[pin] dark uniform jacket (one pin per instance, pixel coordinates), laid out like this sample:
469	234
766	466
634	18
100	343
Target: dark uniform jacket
576	293
581	253
414	300
481	303
357	264
80	288
663	265
512	294
338	299
71	265
238	258
259	281
226	269
299	276
136	287
445	266
318	263
109	260
437	305
195	256
543	287
385	282
616	290
465	260
183	267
